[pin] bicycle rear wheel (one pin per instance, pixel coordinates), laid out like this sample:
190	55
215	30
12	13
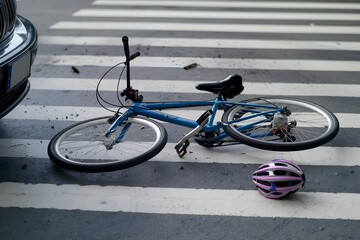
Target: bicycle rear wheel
308	125
83	146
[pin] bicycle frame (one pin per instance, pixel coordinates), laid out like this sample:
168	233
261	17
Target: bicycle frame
153	111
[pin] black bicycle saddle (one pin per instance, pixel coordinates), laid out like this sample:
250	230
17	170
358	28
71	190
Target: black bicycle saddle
229	87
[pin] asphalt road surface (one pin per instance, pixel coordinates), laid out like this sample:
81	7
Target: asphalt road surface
308	50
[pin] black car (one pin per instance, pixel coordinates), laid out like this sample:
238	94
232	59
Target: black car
18	47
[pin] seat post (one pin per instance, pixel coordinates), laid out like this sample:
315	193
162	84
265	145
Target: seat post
221	96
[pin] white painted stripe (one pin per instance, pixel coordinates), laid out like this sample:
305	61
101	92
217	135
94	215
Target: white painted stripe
178	201
235	154
233	4
206	27
188	86
214	63
217	15
70	113
202	43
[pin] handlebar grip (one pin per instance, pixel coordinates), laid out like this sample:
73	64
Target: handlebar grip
134	55
125	41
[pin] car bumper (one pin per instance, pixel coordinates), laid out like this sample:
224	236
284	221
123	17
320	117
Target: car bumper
17	54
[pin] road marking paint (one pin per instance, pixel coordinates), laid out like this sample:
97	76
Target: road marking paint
203	43
233	4
188	86
214	63
206	27
235	154
72	113
217	15
178	201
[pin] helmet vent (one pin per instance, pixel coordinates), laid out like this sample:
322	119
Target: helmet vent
276	193
263	182
287	183
264	190
295	166
262	174
280	164
263	166
281	173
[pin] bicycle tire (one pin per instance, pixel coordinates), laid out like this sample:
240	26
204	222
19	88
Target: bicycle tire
299	136
71	149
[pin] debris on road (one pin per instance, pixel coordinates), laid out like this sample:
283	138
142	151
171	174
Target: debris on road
193	65
75	69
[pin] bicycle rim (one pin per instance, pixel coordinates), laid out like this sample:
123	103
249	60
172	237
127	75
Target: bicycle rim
84	147
308	126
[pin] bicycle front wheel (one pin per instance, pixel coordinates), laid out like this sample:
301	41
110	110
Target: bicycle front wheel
307	125
83	146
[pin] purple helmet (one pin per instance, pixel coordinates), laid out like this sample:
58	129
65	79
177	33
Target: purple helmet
279	178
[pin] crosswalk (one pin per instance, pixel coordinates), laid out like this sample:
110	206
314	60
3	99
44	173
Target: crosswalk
232	4
199	43
216	15
187	86
230	63
304	49
335	156
207	27
74	113
176	201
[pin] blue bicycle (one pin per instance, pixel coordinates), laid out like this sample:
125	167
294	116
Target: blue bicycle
130	137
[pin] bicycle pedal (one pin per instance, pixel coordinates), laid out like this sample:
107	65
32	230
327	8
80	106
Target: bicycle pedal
181	148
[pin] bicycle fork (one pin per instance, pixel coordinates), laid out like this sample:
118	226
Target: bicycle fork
181	146
115	121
